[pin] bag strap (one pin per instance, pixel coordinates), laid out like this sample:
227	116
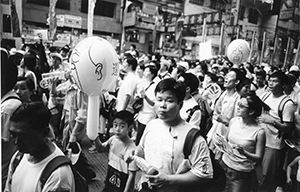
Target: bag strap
52	166
15	163
191	112
149	85
265	96
11	97
282	105
189	141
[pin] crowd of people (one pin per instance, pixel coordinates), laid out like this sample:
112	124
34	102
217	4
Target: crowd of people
248	117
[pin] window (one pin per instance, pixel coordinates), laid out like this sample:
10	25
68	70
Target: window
4	2
253	16
242	13
197	2
61	4
102	8
218	5
6	23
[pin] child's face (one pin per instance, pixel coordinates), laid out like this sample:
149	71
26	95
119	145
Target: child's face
121	128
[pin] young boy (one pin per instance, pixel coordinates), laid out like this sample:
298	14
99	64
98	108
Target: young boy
120	174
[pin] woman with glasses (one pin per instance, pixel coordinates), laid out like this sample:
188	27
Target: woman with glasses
247	139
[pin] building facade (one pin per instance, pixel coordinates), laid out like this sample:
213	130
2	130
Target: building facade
71	18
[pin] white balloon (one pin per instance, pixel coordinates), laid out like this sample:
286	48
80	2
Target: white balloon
94	65
238	51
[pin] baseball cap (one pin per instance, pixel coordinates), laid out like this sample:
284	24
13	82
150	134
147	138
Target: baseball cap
183	64
54	54
294	68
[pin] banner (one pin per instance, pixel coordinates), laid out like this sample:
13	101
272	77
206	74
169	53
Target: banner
277	50
205	50
52	19
289	53
15	20
297	55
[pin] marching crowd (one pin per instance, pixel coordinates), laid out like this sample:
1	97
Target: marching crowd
247	116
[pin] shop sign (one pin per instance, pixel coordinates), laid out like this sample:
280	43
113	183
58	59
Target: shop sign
60	20
72	21
149	8
287	10
129	19
6	35
144	25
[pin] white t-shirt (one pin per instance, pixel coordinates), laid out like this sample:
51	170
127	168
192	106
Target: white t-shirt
27	176
196	117
128	87
147	113
273	140
119	152
163	149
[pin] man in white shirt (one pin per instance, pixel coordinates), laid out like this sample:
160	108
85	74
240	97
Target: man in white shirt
162	144
125	97
190	110
275	126
29	130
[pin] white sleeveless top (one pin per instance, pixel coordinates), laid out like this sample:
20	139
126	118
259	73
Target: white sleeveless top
245	136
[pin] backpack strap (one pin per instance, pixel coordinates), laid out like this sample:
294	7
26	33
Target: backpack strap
11	97
191	112
265	96
15	163
189	141
282	105
52	166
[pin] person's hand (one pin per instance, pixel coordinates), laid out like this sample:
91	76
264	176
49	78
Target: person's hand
240	149
159	180
220	118
72	138
133	152
265	118
142	93
289	181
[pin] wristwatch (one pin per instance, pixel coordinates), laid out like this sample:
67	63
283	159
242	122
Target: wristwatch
274	123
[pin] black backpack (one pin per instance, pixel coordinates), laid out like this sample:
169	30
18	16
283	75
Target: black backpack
80	182
218	182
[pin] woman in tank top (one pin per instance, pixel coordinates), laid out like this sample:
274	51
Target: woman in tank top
246	137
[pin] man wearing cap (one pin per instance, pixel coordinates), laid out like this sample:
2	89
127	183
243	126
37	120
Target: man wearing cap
55	61
163	71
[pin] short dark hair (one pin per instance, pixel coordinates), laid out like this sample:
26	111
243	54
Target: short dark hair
133	45
295	73
125	116
261	73
29	82
204	67
256	104
153	69
170	84
282	77
245	81
239	75
35	114
213	76
9	73
191	81
132	62
30	62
